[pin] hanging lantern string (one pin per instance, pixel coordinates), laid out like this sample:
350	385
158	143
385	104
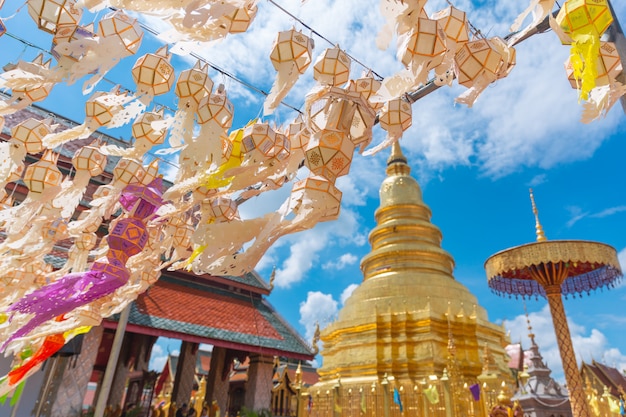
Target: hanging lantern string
323	37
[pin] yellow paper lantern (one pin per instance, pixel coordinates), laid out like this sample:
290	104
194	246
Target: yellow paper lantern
30	133
50	14
332	67
454	23
217	108
396	114
240	19
585	17
71	33
143	131
122	28
322	192
153	73
194	84
43	174
89	158
475	57
329	154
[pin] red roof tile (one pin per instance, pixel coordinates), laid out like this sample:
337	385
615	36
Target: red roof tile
205	308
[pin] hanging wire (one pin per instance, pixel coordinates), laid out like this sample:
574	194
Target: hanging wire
323	37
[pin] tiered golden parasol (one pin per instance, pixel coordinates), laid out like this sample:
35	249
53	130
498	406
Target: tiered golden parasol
550	269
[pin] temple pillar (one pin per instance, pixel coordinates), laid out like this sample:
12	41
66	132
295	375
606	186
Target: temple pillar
118	386
259	386
76	375
217	380
185	372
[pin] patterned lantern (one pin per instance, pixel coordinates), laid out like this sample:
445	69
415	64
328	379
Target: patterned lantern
227	148
216	108
57	229
99	111
51	14
241	18
258	141
182	235
422	45
144	132
584	21
89	158
608	66
29	81
395	117
43	174
578	17
71	33
282	147
332	67
298	134
86	241
368	86
122	30
193	85
291	56
153	73
128	171
454	23
319	193
329	154
221	209
30	133
474	58
38	91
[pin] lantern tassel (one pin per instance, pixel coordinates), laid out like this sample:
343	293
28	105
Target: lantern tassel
539	9
480	84
601	100
181	130
585	52
286	78
53	140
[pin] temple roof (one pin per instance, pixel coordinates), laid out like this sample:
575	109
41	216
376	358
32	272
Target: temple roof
609	377
198	312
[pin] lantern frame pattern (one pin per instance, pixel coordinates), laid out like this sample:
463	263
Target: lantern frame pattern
30	134
241	18
608	66
43	174
218	108
90	159
121	27
49	15
329	154
454	24
584	16
321	192
194	84
473	58
153	73
332	67
69	34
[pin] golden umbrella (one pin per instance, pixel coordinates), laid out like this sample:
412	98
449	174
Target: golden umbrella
550	269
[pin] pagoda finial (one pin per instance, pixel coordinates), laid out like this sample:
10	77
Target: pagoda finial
272	278
541	237
531	335
316	339
397	164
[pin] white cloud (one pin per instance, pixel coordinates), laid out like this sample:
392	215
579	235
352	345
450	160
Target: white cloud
318	308
537	180
622	259
348	292
343	261
587	343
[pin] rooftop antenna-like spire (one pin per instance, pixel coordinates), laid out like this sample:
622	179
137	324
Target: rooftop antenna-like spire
541	237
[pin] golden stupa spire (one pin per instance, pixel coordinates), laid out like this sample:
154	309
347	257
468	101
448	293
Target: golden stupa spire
541	237
397	164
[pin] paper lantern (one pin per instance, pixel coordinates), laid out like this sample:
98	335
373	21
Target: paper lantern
144	132
227	148
318	192
258	141
86	241
43	174
128	171
216	108
50	14
332	67
38	91
57	229
89	158
298	134
240	19
368	86
329	154
101	112
193	85
584	17
608	66
221	209
291	56
427	40
282	147
454	23
71	33
153	73
396	115
182	235
123	30
30	133
29	81
92	227
474	58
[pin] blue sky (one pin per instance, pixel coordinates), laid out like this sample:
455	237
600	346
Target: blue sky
474	165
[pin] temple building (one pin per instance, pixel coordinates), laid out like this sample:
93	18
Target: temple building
409	322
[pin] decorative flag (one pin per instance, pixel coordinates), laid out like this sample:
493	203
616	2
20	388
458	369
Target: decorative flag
397	399
432	395
475	390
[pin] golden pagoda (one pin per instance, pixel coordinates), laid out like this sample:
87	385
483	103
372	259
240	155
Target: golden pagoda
398	325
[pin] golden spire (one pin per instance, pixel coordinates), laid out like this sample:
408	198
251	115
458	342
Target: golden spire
397	164
531	335
541	237
272	278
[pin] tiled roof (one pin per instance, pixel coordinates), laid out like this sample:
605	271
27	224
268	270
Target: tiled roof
215	316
